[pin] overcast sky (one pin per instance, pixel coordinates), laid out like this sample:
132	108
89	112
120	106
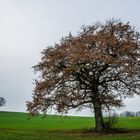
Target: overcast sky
29	26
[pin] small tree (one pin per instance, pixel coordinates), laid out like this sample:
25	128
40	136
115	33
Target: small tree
2	101
96	69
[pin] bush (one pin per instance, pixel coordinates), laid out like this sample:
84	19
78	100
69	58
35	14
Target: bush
110	123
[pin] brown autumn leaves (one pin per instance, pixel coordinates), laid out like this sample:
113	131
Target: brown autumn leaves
97	68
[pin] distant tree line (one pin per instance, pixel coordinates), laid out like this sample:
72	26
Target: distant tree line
130	114
124	114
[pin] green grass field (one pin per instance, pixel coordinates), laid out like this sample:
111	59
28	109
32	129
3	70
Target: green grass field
17	126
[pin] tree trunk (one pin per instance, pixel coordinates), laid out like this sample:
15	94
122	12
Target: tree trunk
99	125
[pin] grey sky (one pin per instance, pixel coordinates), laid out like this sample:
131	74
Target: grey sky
28	26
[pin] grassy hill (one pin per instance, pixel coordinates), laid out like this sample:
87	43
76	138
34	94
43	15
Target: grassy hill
15	126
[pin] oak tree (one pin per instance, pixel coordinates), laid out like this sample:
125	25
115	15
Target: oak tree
97	68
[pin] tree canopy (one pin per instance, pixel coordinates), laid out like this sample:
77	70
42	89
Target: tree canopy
96	68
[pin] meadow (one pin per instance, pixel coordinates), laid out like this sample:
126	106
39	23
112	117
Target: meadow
18	126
